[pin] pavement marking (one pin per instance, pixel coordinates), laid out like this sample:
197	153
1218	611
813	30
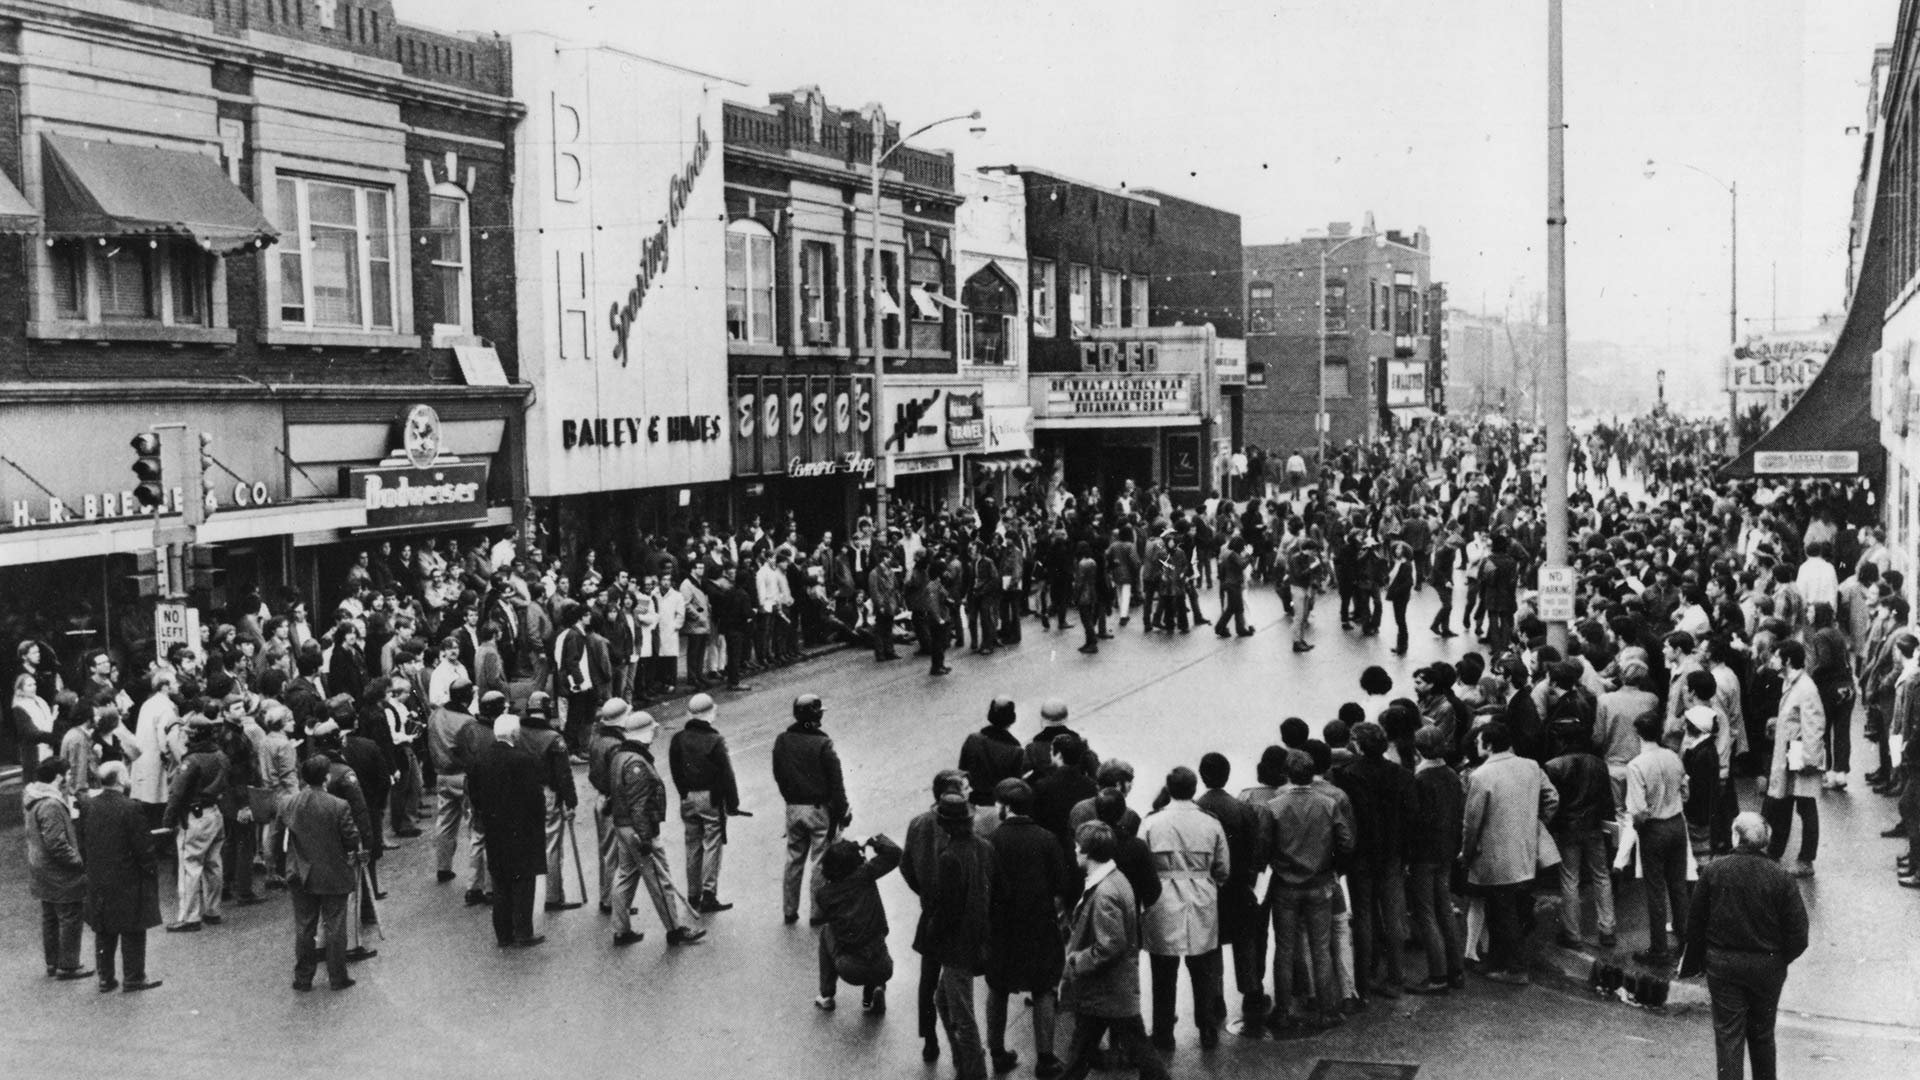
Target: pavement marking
1337	1069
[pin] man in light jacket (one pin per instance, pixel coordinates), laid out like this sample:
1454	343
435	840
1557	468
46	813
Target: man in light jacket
1190	852
1102	984
1799	754
1509	798
696	626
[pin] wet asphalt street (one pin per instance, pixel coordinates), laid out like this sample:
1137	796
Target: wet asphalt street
441	1001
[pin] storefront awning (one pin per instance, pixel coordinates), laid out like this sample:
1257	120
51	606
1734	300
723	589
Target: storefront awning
17	215
1017	460
102	189
1831	430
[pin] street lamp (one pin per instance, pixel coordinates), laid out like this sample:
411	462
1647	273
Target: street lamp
1320	418
1732	188
876	157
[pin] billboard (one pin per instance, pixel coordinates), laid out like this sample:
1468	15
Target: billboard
1778	363
621	249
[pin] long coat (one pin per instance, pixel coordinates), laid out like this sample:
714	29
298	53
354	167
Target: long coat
320	835
1190	854
1801	717
1508	799
505	788
123	885
56	874
1103	951
1029	879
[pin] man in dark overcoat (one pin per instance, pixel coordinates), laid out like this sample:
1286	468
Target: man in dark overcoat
123	880
505	787
1030	891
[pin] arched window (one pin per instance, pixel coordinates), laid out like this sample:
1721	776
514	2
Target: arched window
447	250
926	282
1260	307
749	282
991	306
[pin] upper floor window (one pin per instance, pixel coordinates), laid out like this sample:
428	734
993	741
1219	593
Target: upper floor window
1141	314
447	249
885	297
1336	301
1041	285
991	308
1260	308
1334	378
130	280
749	283
926	277
1080	300
819	293
1109	298
336	254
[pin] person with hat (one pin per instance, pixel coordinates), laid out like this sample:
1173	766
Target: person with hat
955	930
609	732
452	735
557	792
239	738
327	739
992	754
1039	749
703	775
883	590
373	769
195	813
504	783
806	769
638	807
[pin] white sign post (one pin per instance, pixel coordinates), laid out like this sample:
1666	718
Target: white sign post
170	627
1556	594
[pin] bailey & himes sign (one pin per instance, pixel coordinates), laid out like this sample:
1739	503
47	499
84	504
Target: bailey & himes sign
629	430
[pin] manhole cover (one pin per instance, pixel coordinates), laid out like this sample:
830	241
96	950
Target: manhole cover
1329	1069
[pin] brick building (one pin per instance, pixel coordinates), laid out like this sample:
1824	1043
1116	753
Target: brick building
286	226
1379	337
805	426
1129	308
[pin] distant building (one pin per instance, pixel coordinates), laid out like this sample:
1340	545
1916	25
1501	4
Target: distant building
1379	330
1131	297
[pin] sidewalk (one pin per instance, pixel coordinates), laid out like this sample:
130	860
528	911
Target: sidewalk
1862	962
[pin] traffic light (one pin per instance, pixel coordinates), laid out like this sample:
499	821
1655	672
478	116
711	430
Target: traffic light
197	564
148	469
205	474
153	578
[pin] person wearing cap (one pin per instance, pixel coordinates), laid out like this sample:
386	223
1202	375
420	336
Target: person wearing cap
954	930
992	754
329	740
452	735
557	792
920	870
195	811
638	808
703	775
806	769
504	783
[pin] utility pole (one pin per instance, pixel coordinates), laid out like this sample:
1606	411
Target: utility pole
1556	577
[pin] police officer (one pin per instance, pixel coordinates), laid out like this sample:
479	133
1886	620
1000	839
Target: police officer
807	771
703	774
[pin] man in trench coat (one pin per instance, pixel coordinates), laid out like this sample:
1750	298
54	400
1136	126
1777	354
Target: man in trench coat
1190	854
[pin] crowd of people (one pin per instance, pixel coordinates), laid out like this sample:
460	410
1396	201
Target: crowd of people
1724	631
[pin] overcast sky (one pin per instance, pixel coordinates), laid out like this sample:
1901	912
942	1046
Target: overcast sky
1304	111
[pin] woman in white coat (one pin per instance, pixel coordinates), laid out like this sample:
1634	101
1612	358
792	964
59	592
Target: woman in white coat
670	611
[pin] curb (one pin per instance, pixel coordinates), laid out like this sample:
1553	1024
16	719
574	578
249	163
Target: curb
1609	978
